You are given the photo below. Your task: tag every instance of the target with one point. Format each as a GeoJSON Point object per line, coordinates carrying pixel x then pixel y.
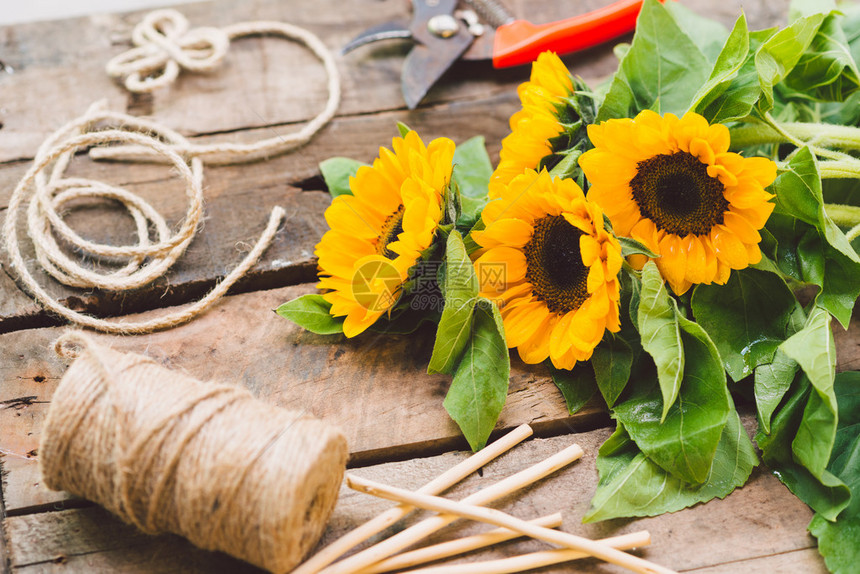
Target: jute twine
{"type": "Point", "coordinates": [213, 464]}
{"type": "Point", "coordinates": [147, 260]}
{"type": "Point", "coordinates": [164, 45]}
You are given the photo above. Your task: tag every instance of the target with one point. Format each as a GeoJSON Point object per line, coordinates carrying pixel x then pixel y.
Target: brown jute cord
{"type": "Point", "coordinates": [209, 462]}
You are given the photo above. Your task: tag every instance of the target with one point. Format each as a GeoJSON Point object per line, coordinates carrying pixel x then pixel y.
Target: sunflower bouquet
{"type": "Point", "coordinates": [672, 241]}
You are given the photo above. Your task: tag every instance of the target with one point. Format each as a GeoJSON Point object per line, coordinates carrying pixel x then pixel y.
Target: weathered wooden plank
{"type": "Point", "coordinates": [263, 81]}
{"type": "Point", "coordinates": [232, 223]}
{"type": "Point", "coordinates": [806, 561]}
{"type": "Point", "coordinates": [354, 136]}
{"type": "Point", "coordinates": [5, 560]}
{"type": "Point", "coordinates": [238, 199]}
{"type": "Point", "coordinates": [374, 386]}
{"type": "Point", "coordinates": [749, 527]}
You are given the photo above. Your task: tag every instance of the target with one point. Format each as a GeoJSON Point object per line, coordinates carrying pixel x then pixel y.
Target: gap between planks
{"type": "Point", "coordinates": [751, 526]}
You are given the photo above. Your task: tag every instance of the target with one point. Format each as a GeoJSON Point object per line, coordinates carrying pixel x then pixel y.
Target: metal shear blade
{"type": "Point", "coordinates": [442, 35]}
{"type": "Point", "coordinates": [440, 40]}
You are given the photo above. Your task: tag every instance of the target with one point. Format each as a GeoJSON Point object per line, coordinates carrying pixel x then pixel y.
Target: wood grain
{"type": "Point", "coordinates": [238, 199]}
{"type": "Point", "coordinates": [766, 522]}
{"type": "Point", "coordinates": [374, 386]}
{"type": "Point", "coordinates": [63, 61]}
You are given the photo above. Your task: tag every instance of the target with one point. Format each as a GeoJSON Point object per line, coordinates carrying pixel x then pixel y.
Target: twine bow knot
{"type": "Point", "coordinates": [164, 44]}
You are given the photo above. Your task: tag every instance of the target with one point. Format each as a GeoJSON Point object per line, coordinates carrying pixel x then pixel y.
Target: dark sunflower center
{"type": "Point", "coordinates": [677, 194]}
{"type": "Point", "coordinates": [554, 264]}
{"type": "Point", "coordinates": [392, 227]}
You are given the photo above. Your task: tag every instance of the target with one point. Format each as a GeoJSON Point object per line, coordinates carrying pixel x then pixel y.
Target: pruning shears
{"type": "Point", "coordinates": [485, 30]}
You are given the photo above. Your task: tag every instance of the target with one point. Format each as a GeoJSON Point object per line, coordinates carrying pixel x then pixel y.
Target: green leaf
{"type": "Point", "coordinates": [403, 129]}
{"type": "Point", "coordinates": [685, 442]}
{"type": "Point", "coordinates": [781, 52]}
{"type": "Point", "coordinates": [772, 381]}
{"type": "Point", "coordinates": [577, 385]}
{"type": "Point", "coordinates": [472, 171]}
{"type": "Point", "coordinates": [612, 361]}
{"type": "Point", "coordinates": [480, 386]}
{"type": "Point", "coordinates": [851, 27]}
{"type": "Point", "coordinates": [826, 493]}
{"type": "Point", "coordinates": [632, 485]}
{"type": "Point", "coordinates": [814, 350]}
{"type": "Point", "coordinates": [630, 246]}
{"type": "Point", "coordinates": [472, 167]}
{"type": "Point", "coordinates": [460, 289]}
{"type": "Point", "coordinates": [662, 70]}
{"type": "Point", "coordinates": [798, 188]}
{"type": "Point", "coordinates": [708, 34]}
{"type": "Point", "coordinates": [729, 62]}
{"type": "Point", "coordinates": [821, 255]}
{"type": "Point", "coordinates": [336, 172]}
{"type": "Point", "coordinates": [835, 538]}
{"type": "Point", "coordinates": [827, 70]}
{"type": "Point", "coordinates": [746, 318]}
{"type": "Point", "coordinates": [840, 285]}
{"type": "Point", "coordinates": [661, 334]}
{"type": "Point", "coordinates": [311, 312]}
{"type": "Point", "coordinates": [802, 8]}
{"type": "Point", "coordinates": [734, 94]}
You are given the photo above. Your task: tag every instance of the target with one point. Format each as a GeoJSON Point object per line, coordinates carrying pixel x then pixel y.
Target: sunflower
{"type": "Point", "coordinates": [378, 233]}
{"type": "Point", "coordinates": [673, 185]}
{"type": "Point", "coordinates": [548, 262]}
{"type": "Point", "coordinates": [549, 123]}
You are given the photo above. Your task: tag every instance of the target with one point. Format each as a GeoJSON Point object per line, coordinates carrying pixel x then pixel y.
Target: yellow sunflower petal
{"type": "Point", "coordinates": [673, 260]}
{"type": "Point", "coordinates": [507, 261]}
{"type": "Point", "coordinates": [511, 232]}
{"type": "Point", "coordinates": [560, 244]}
{"type": "Point", "coordinates": [537, 122]}
{"type": "Point", "coordinates": [697, 260]}
{"type": "Point", "coordinates": [377, 233]}
{"type": "Point", "coordinates": [658, 150]}
{"type": "Point", "coordinates": [358, 321]}
{"type": "Point", "coordinates": [729, 248]}
{"type": "Point", "coordinates": [741, 227]}
{"type": "Point", "coordinates": [535, 349]}
{"type": "Point", "coordinates": [521, 322]}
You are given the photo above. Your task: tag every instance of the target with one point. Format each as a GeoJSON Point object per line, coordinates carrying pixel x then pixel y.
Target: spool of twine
{"type": "Point", "coordinates": [207, 461]}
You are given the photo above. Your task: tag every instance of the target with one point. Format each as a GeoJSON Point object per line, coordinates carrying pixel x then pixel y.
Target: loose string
{"type": "Point", "coordinates": [164, 45]}
{"type": "Point", "coordinates": [146, 260]}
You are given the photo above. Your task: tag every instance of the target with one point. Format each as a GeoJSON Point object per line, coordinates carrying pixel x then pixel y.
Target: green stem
{"type": "Point", "coordinates": [845, 169]}
{"type": "Point", "coordinates": [823, 152]}
{"type": "Point", "coordinates": [853, 233]}
{"type": "Point", "coordinates": [843, 215]}
{"type": "Point", "coordinates": [755, 134]}
{"type": "Point", "coordinates": [799, 134]}
{"type": "Point", "coordinates": [845, 137]}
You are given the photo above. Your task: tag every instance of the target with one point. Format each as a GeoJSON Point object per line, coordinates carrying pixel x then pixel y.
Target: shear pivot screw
{"type": "Point", "coordinates": [443, 25]}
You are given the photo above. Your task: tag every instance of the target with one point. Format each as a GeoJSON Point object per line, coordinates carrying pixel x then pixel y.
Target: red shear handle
{"type": "Point", "coordinates": [520, 42]}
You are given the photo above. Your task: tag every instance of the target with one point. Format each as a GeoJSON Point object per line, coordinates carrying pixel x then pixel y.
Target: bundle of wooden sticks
{"type": "Point", "coordinates": [383, 557]}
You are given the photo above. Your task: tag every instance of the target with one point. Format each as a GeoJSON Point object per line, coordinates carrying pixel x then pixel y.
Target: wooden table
{"type": "Point", "coordinates": [375, 387]}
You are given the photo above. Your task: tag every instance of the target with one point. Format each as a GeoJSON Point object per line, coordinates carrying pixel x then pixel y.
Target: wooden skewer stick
{"type": "Point", "coordinates": [442, 482]}
{"type": "Point", "coordinates": [499, 518]}
{"type": "Point", "coordinates": [535, 560]}
{"type": "Point", "coordinates": [425, 528]}
{"type": "Point", "coordinates": [455, 547]}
